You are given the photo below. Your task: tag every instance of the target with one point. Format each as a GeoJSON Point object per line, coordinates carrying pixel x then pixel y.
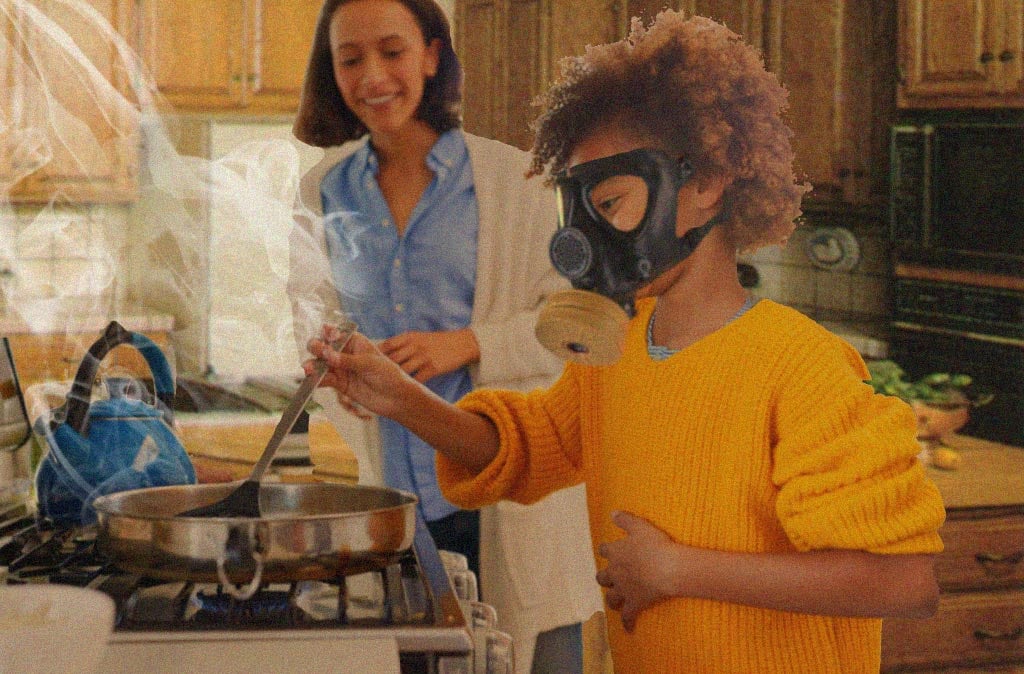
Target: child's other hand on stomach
{"type": "Point", "coordinates": [641, 567]}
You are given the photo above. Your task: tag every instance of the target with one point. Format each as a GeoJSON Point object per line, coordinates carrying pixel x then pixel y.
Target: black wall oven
{"type": "Point", "coordinates": [956, 215]}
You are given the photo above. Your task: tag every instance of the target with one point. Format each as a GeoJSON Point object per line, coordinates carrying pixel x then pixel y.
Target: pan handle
{"type": "Point", "coordinates": [246, 591]}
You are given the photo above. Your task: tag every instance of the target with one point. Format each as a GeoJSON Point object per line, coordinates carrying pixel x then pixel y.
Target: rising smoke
{"type": "Point", "coordinates": [62, 111]}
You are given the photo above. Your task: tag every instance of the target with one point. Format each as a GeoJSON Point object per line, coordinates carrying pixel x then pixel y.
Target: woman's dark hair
{"type": "Point", "coordinates": [325, 120]}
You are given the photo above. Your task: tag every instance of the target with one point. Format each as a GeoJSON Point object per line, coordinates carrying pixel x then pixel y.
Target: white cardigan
{"type": "Point", "coordinates": [541, 553]}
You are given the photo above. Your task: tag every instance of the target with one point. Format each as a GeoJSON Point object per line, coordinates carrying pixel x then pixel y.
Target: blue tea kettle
{"type": "Point", "coordinates": [121, 443]}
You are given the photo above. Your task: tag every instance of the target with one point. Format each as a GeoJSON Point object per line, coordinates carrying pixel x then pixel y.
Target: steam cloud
{"type": "Point", "coordinates": [60, 110]}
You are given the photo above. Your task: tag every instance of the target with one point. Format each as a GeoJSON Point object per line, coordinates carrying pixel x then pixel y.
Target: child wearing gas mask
{"type": "Point", "coordinates": [754, 506]}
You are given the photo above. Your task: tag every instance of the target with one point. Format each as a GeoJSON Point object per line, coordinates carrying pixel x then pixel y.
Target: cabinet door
{"type": "Point", "coordinates": [510, 51]}
{"type": "Point", "coordinates": [1011, 55]}
{"type": "Point", "coordinates": [278, 52]}
{"type": "Point", "coordinates": [480, 44]}
{"type": "Point", "coordinates": [949, 51]}
{"type": "Point", "coordinates": [821, 52]}
{"type": "Point", "coordinates": [72, 121]}
{"type": "Point", "coordinates": [195, 50]}
{"type": "Point", "coordinates": [576, 23]}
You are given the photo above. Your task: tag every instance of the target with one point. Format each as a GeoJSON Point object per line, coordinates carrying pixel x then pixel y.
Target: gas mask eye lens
{"type": "Point", "coordinates": [620, 200]}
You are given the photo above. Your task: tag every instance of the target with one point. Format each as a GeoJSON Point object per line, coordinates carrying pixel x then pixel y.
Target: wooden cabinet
{"type": "Point", "coordinates": [56, 357]}
{"type": "Point", "coordinates": [509, 50]}
{"type": "Point", "coordinates": [961, 53]}
{"type": "Point", "coordinates": [68, 117]}
{"type": "Point", "coordinates": [821, 52]}
{"type": "Point", "coordinates": [836, 60]}
{"type": "Point", "coordinates": [231, 55]}
{"type": "Point", "coordinates": [980, 621]}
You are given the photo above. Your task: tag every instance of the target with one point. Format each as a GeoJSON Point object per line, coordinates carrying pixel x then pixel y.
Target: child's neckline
{"type": "Point", "coordinates": [659, 353]}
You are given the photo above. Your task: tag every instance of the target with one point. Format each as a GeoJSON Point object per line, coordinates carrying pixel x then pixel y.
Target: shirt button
{"type": "Point", "coordinates": [399, 307]}
{"type": "Point", "coordinates": [386, 222]}
{"type": "Point", "coordinates": [398, 263]}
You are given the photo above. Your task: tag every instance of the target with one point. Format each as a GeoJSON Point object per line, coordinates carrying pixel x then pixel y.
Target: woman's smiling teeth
{"type": "Point", "coordinates": [378, 100]}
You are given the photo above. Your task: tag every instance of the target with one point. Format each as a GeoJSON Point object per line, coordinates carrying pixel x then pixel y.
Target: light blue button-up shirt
{"type": "Point", "coordinates": [422, 280]}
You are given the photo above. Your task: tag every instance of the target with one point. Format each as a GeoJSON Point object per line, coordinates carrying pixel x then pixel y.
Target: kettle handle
{"type": "Point", "coordinates": [115, 335]}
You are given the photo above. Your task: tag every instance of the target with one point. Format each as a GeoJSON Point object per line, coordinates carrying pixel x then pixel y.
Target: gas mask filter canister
{"type": "Point", "coordinates": [616, 234]}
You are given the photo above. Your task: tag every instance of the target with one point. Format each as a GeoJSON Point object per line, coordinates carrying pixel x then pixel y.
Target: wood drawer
{"type": "Point", "coordinates": [981, 553]}
{"type": "Point", "coordinates": [969, 629]}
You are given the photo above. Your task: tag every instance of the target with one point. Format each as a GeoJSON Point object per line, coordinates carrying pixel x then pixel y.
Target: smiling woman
{"type": "Point", "coordinates": [436, 245]}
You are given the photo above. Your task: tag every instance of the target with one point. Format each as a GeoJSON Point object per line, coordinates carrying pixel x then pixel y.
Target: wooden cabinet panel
{"type": "Point", "coordinates": [71, 121]}
{"type": "Point", "coordinates": [576, 23]}
{"type": "Point", "coordinates": [531, 73]}
{"type": "Point", "coordinates": [832, 60]}
{"type": "Point", "coordinates": [961, 53]}
{"type": "Point", "coordinates": [194, 50]}
{"type": "Point", "coordinates": [240, 55]}
{"type": "Point", "coordinates": [982, 553]}
{"type": "Point", "coordinates": [510, 50]}
{"type": "Point", "coordinates": [56, 357]}
{"type": "Point", "coordinates": [280, 52]}
{"type": "Point", "coordinates": [1012, 54]}
{"type": "Point", "coordinates": [936, 65]}
{"type": "Point", "coordinates": [802, 41]}
{"type": "Point", "coordinates": [481, 57]}
{"type": "Point", "coordinates": [968, 629]}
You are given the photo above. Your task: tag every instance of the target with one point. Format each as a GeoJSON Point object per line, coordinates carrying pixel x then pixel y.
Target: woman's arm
{"type": "Point", "coordinates": [646, 567]}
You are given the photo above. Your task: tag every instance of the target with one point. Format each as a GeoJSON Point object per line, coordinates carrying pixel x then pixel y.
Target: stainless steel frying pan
{"type": "Point", "coordinates": [308, 531]}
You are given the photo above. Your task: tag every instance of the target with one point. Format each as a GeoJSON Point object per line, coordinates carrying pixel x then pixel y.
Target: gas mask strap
{"type": "Point", "coordinates": [688, 242]}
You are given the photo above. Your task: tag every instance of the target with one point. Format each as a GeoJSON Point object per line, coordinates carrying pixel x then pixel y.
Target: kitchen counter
{"type": "Point", "coordinates": [991, 475]}
{"type": "Point", "coordinates": [980, 571]}
{"type": "Point", "coordinates": [233, 443]}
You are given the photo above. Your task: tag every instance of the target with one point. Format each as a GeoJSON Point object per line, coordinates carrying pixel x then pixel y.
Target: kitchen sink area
{"type": "Point", "coordinates": [255, 395]}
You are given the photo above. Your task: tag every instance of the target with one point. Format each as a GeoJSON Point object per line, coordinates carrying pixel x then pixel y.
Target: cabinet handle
{"type": "Point", "coordinates": [992, 635]}
{"type": "Point", "coordinates": [1006, 55]}
{"type": "Point", "coordinates": [986, 57]}
{"type": "Point", "coordinates": [996, 564]}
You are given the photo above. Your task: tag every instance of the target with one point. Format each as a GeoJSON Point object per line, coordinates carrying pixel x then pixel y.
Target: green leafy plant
{"type": "Point", "coordinates": [937, 388]}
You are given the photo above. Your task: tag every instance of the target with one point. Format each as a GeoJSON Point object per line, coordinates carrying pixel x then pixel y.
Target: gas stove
{"type": "Point", "coordinates": [417, 615]}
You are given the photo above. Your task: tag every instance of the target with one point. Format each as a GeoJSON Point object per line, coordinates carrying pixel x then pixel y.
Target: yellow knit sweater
{"type": "Point", "coordinates": [761, 437]}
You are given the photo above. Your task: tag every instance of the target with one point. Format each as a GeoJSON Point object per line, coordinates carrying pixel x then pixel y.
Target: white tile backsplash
{"type": "Point", "coordinates": [65, 251]}
{"type": "Point", "coordinates": [788, 277]}
{"type": "Point", "coordinates": [33, 279]}
{"type": "Point", "coordinates": [832, 290]}
{"type": "Point", "coordinates": [869, 294]}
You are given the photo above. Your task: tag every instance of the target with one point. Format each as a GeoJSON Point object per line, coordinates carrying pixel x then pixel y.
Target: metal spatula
{"type": "Point", "coordinates": [244, 501]}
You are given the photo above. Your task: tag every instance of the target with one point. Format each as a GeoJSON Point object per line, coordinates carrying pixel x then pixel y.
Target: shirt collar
{"type": "Point", "coordinates": [447, 154]}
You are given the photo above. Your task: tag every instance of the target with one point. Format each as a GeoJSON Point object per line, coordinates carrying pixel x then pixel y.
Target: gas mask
{"type": "Point", "coordinates": [616, 234]}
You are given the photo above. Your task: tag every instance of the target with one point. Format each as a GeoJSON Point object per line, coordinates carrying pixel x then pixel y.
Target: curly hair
{"type": "Point", "coordinates": [324, 119]}
{"type": "Point", "coordinates": [694, 88]}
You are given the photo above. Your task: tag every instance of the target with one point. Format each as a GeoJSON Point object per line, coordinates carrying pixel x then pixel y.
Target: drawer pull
{"type": "Point", "coordinates": [998, 564]}
{"type": "Point", "coordinates": [992, 635]}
